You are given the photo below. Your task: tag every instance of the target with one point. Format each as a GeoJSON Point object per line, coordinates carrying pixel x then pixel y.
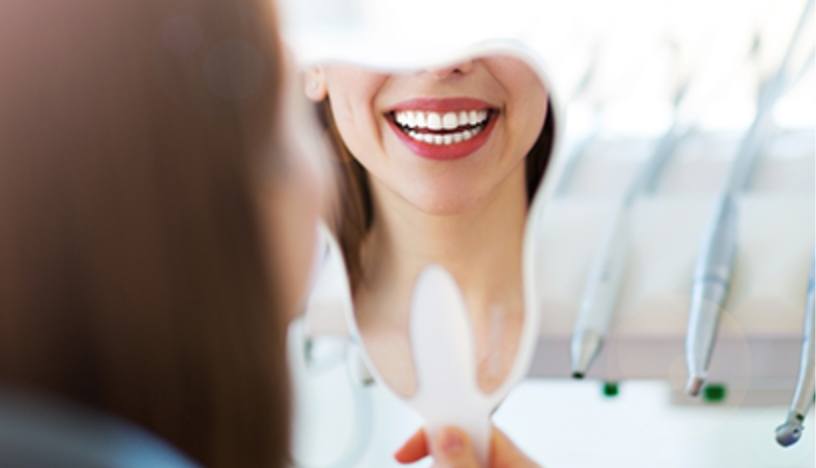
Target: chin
{"type": "Point", "coordinates": [441, 202]}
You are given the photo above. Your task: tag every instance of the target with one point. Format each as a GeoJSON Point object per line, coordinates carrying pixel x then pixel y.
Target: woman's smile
{"type": "Point", "coordinates": [443, 128]}
{"type": "Point", "coordinates": [442, 139]}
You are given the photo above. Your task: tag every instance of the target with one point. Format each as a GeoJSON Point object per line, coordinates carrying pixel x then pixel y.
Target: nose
{"type": "Point", "coordinates": [460, 68]}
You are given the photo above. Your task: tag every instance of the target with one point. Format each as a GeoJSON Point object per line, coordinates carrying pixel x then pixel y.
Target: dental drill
{"type": "Point", "coordinates": [715, 264]}
{"type": "Point", "coordinates": [791, 430]}
{"type": "Point", "coordinates": [603, 285]}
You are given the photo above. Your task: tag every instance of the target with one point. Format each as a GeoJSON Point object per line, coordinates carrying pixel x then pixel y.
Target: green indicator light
{"type": "Point", "coordinates": [714, 393]}
{"type": "Point", "coordinates": [611, 389]}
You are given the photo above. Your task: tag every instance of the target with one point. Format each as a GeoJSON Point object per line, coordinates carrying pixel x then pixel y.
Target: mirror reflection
{"type": "Point", "coordinates": [438, 166]}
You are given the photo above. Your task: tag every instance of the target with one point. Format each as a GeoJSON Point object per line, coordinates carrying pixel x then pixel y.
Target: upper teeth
{"type": "Point", "coordinates": [437, 121]}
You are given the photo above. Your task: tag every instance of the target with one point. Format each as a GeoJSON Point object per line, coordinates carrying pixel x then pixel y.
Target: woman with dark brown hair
{"type": "Point", "coordinates": [144, 183]}
{"type": "Point", "coordinates": [156, 221]}
{"type": "Point", "coordinates": [439, 166]}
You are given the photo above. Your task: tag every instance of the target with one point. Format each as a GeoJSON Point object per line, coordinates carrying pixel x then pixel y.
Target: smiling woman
{"type": "Point", "coordinates": [439, 167]}
{"type": "Point", "coordinates": [412, 117]}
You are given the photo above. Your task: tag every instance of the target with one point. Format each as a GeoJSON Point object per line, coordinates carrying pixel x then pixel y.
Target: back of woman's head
{"type": "Point", "coordinates": [132, 272]}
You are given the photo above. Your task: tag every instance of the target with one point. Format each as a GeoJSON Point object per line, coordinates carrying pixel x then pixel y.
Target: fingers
{"type": "Point", "coordinates": [505, 454]}
{"type": "Point", "coordinates": [414, 449]}
{"type": "Point", "coordinates": [451, 448]}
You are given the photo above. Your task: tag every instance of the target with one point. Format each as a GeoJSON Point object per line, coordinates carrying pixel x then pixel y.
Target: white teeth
{"type": "Point", "coordinates": [420, 119]}
{"type": "Point", "coordinates": [410, 120]}
{"type": "Point", "coordinates": [406, 119]}
{"type": "Point", "coordinates": [434, 121]}
{"type": "Point", "coordinates": [448, 139]}
{"type": "Point", "coordinates": [437, 121]}
{"type": "Point", "coordinates": [473, 117]}
{"type": "Point", "coordinates": [449, 121]}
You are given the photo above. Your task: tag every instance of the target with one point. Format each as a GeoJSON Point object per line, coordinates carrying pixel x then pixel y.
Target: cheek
{"type": "Point", "coordinates": [352, 95]}
{"type": "Point", "coordinates": [352, 119]}
{"type": "Point", "coordinates": [359, 132]}
{"type": "Point", "coordinates": [526, 99]}
{"type": "Point", "coordinates": [528, 113]}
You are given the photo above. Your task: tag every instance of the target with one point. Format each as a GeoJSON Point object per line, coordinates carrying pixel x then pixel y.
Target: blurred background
{"type": "Point", "coordinates": [621, 73]}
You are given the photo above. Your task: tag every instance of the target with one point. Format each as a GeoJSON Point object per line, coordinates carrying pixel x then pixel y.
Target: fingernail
{"type": "Point", "coordinates": [452, 442]}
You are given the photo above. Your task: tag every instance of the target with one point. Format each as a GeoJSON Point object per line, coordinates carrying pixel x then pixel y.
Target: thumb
{"type": "Point", "coordinates": [451, 448]}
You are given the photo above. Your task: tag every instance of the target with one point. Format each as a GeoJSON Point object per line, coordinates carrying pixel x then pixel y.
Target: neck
{"type": "Point", "coordinates": [481, 246]}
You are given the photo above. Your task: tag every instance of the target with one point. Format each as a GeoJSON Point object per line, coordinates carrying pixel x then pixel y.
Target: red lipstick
{"type": "Point", "coordinates": [444, 128]}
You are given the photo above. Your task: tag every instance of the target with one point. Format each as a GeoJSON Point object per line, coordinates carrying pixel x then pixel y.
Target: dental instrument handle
{"type": "Point", "coordinates": [774, 84]}
{"type": "Point", "coordinates": [715, 264]}
{"type": "Point", "coordinates": [770, 89]}
{"type": "Point", "coordinates": [803, 398]}
{"type": "Point", "coordinates": [712, 279]}
{"type": "Point", "coordinates": [600, 296]}
{"type": "Point", "coordinates": [646, 180]}
{"type": "Point", "coordinates": [742, 170]}
{"type": "Point", "coordinates": [791, 430]}
{"type": "Point", "coordinates": [807, 64]}
{"type": "Point", "coordinates": [778, 81]}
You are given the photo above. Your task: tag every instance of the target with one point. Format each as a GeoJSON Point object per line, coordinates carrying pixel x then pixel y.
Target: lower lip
{"type": "Point", "coordinates": [459, 150]}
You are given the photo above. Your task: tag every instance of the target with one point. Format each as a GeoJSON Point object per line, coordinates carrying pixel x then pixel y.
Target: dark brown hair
{"type": "Point", "coordinates": [355, 213]}
{"type": "Point", "coordinates": [133, 265]}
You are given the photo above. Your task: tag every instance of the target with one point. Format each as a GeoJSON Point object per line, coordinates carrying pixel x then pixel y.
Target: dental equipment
{"type": "Point", "coordinates": [579, 149]}
{"type": "Point", "coordinates": [790, 431]}
{"type": "Point", "coordinates": [603, 284]}
{"type": "Point", "coordinates": [715, 264]}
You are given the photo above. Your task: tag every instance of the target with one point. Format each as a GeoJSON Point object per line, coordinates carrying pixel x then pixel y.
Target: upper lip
{"type": "Point", "coordinates": [441, 104]}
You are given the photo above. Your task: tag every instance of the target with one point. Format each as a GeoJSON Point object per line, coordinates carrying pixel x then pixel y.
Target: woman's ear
{"type": "Point", "coordinates": [314, 83]}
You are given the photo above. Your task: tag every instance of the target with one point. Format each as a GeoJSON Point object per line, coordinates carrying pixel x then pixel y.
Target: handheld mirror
{"type": "Point", "coordinates": [438, 168]}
